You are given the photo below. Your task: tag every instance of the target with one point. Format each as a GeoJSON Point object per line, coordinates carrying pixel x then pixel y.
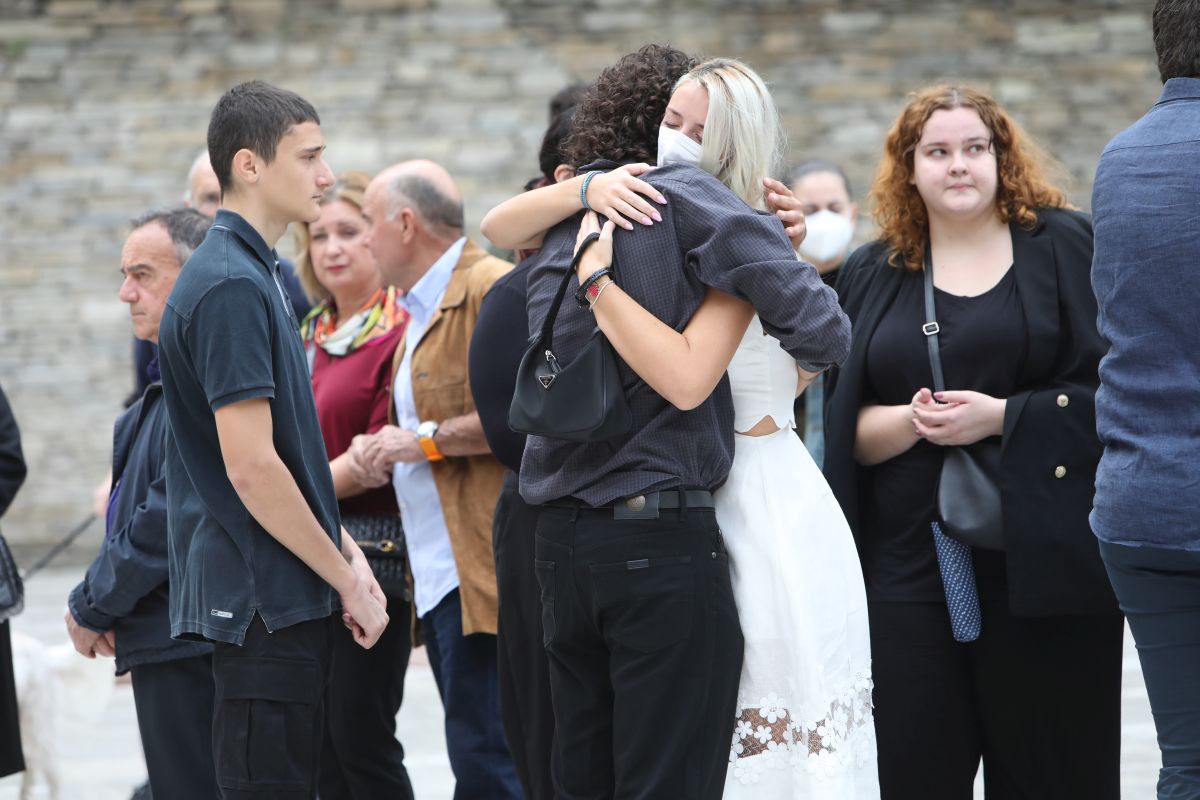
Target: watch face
{"type": "Point", "coordinates": [426, 429]}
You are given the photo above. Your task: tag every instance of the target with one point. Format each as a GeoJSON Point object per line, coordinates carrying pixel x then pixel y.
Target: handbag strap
{"type": "Point", "coordinates": [931, 329]}
{"type": "Point", "coordinates": [552, 314]}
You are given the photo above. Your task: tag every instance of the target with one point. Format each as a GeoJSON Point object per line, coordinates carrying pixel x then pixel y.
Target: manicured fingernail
{"type": "Point", "coordinates": [937, 395]}
{"type": "Point", "coordinates": [627, 226]}
{"type": "Point", "coordinates": [657, 216]}
{"type": "Point", "coordinates": [646, 221]}
{"type": "Point", "coordinates": [662, 199]}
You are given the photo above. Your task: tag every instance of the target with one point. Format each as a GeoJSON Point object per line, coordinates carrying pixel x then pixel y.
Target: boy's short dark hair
{"type": "Point", "coordinates": [1177, 38]}
{"type": "Point", "coordinates": [253, 115]}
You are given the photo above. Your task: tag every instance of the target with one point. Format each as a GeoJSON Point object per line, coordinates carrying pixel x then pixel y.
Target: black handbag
{"type": "Point", "coordinates": [381, 538]}
{"type": "Point", "coordinates": [12, 590]}
{"type": "Point", "coordinates": [580, 402]}
{"type": "Point", "coordinates": [968, 490]}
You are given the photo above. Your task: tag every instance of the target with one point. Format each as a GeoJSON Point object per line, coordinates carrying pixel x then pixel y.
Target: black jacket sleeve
{"type": "Point", "coordinates": [1051, 449]}
{"type": "Point", "coordinates": [12, 461]}
{"type": "Point", "coordinates": [132, 561]}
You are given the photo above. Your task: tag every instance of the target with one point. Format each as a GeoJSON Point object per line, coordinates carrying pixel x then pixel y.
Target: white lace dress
{"type": "Point", "coordinates": [804, 727]}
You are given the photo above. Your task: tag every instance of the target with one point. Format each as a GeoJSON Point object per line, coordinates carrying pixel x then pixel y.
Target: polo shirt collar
{"type": "Point", "coordinates": [423, 297]}
{"type": "Point", "coordinates": [1180, 89]}
{"type": "Point", "coordinates": [247, 233]}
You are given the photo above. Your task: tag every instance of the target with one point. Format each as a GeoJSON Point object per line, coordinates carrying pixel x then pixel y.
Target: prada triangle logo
{"type": "Point", "coordinates": [546, 380]}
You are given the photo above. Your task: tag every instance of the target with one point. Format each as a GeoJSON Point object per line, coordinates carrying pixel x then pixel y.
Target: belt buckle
{"type": "Point", "coordinates": [640, 506]}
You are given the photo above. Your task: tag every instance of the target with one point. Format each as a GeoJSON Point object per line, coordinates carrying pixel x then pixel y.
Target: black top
{"type": "Point", "coordinates": [1053, 564]}
{"type": "Point", "coordinates": [12, 462]}
{"type": "Point", "coordinates": [708, 237]}
{"type": "Point", "coordinates": [125, 588]}
{"type": "Point", "coordinates": [983, 346]}
{"type": "Point", "coordinates": [228, 334]}
{"type": "Point", "coordinates": [497, 345]}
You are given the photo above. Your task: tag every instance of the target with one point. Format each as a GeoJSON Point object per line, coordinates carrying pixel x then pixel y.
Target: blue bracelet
{"type": "Point", "coordinates": [583, 189]}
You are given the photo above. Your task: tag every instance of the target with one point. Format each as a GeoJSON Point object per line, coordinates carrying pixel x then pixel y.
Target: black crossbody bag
{"type": "Point", "coordinates": [381, 539]}
{"type": "Point", "coordinates": [968, 490]}
{"type": "Point", "coordinates": [580, 402]}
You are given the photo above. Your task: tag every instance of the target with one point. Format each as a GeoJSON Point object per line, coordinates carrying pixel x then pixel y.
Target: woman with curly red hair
{"type": "Point", "coordinates": [1010, 654]}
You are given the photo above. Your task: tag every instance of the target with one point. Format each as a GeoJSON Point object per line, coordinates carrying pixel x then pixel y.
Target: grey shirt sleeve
{"type": "Point", "coordinates": [733, 248]}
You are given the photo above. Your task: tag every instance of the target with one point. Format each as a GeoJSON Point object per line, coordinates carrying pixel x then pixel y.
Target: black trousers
{"type": "Point", "coordinates": [1159, 590]}
{"type": "Point", "coordinates": [1039, 699]}
{"type": "Point", "coordinates": [269, 712]}
{"type": "Point", "coordinates": [11, 758]}
{"type": "Point", "coordinates": [361, 758]}
{"type": "Point", "coordinates": [524, 670]}
{"type": "Point", "coordinates": [645, 653]}
{"type": "Point", "coordinates": [174, 703]}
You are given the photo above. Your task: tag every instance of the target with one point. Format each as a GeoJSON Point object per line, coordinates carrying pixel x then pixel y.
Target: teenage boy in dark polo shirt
{"type": "Point", "coordinates": [253, 525]}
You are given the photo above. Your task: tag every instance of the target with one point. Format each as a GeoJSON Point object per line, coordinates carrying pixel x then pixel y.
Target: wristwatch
{"type": "Point", "coordinates": [425, 433]}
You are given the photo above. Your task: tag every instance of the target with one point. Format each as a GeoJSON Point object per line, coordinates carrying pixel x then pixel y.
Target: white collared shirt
{"type": "Point", "coordinates": [429, 552]}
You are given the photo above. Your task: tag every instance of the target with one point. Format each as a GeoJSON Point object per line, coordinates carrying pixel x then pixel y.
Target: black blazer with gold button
{"type": "Point", "coordinates": [1050, 448]}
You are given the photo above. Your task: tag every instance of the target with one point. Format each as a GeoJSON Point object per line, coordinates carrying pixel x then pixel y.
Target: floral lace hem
{"type": "Point", "coordinates": [767, 735]}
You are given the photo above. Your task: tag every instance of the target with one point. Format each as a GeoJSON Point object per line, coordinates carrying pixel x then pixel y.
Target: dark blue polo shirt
{"type": "Point", "coordinates": [229, 334]}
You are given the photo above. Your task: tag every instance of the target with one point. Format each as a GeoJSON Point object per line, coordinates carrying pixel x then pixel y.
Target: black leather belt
{"type": "Point", "coordinates": [643, 506]}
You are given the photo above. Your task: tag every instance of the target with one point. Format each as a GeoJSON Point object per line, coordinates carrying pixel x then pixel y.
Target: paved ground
{"type": "Point", "coordinates": [102, 760]}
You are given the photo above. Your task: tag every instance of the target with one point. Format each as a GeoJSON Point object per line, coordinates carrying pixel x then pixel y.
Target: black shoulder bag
{"type": "Point", "coordinates": [580, 402]}
{"type": "Point", "coordinates": [968, 491]}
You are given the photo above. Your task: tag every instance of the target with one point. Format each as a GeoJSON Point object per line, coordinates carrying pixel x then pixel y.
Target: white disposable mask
{"type": "Point", "coordinates": [828, 235]}
{"type": "Point", "coordinates": [675, 148]}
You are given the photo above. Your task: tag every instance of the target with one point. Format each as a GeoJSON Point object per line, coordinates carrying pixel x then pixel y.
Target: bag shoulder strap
{"type": "Point", "coordinates": [552, 314]}
{"type": "Point", "coordinates": [931, 329]}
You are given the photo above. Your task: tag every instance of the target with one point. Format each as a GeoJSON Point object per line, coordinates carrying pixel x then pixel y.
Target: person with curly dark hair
{"type": "Point", "coordinates": [972, 640]}
{"type": "Point", "coordinates": [638, 612]}
{"type": "Point", "coordinates": [618, 117]}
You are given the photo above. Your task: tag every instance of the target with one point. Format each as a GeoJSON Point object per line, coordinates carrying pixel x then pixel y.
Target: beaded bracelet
{"type": "Point", "coordinates": [587, 179]}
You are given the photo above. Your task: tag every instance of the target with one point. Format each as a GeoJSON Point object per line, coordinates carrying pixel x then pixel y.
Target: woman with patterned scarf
{"type": "Point", "coordinates": [350, 337]}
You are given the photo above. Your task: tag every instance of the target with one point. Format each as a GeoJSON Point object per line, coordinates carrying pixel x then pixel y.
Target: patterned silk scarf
{"type": "Point", "coordinates": [380, 314]}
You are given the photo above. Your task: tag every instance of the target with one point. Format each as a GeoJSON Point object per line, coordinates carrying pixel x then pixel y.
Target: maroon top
{"type": "Point", "coordinates": [352, 393]}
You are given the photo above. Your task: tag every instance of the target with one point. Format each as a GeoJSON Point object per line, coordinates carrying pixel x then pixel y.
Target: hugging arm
{"type": "Point", "coordinates": [521, 222]}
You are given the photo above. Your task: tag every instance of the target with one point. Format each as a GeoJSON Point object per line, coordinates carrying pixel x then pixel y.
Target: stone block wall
{"type": "Point", "coordinates": [104, 103]}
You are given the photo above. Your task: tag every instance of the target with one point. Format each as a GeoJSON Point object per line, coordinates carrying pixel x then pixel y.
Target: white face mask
{"type": "Point", "coordinates": [828, 235]}
{"type": "Point", "coordinates": [675, 148]}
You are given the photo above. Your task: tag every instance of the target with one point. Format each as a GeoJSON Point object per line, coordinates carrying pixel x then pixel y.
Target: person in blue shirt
{"type": "Point", "coordinates": [1146, 275]}
{"type": "Point", "coordinates": [259, 562]}
{"type": "Point", "coordinates": [124, 593]}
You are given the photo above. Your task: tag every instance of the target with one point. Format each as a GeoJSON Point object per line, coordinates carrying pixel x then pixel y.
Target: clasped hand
{"type": "Point", "coordinates": [89, 643]}
{"type": "Point", "coordinates": [956, 417]}
{"type": "Point", "coordinates": [371, 455]}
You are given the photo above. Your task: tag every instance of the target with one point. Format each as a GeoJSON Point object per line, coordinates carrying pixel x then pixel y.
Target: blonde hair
{"type": "Point", "coordinates": [350, 188]}
{"type": "Point", "coordinates": [743, 140]}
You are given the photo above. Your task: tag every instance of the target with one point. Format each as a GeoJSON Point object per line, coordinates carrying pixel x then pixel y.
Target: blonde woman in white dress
{"type": "Point", "coordinates": [804, 727]}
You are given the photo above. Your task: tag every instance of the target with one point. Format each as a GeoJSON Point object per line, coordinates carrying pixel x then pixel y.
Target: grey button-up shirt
{"type": "Point", "coordinates": [708, 237]}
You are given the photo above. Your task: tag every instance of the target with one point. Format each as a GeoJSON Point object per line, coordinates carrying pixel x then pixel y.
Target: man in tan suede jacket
{"type": "Point", "coordinates": [436, 456]}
